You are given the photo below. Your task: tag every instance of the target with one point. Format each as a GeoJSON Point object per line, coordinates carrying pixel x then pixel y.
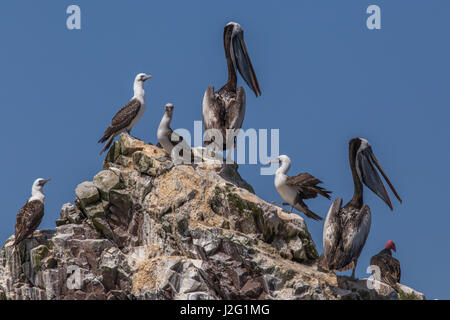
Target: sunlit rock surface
{"type": "Point", "coordinates": [146, 229]}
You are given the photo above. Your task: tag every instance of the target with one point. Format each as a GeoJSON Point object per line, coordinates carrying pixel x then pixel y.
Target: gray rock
{"type": "Point", "coordinates": [145, 229]}
{"type": "Point", "coordinates": [87, 193]}
{"type": "Point", "coordinates": [105, 181]}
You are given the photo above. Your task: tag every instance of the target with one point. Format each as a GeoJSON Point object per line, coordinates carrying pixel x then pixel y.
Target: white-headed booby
{"type": "Point", "coordinates": [30, 215]}
{"type": "Point", "coordinates": [225, 109]}
{"type": "Point", "coordinates": [294, 189]}
{"type": "Point", "coordinates": [127, 117]}
{"type": "Point", "coordinates": [170, 140]}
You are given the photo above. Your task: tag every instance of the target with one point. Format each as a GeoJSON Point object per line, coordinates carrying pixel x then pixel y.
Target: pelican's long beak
{"type": "Point", "coordinates": [367, 165]}
{"type": "Point", "coordinates": [243, 62]}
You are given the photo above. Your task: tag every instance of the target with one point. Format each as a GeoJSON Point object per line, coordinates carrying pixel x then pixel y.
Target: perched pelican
{"type": "Point", "coordinates": [389, 266]}
{"type": "Point", "coordinates": [30, 215]}
{"type": "Point", "coordinates": [225, 109]}
{"type": "Point", "coordinates": [127, 117]}
{"type": "Point", "coordinates": [346, 228]}
{"type": "Point", "coordinates": [295, 189]}
{"type": "Point", "coordinates": [169, 139]}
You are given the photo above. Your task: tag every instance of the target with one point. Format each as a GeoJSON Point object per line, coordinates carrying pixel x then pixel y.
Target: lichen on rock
{"type": "Point", "coordinates": [144, 228]}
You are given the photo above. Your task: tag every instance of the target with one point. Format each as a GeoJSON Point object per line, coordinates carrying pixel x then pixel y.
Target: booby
{"type": "Point", "coordinates": [297, 188]}
{"type": "Point", "coordinates": [169, 139]}
{"type": "Point", "coordinates": [127, 117]}
{"type": "Point", "coordinates": [225, 108]}
{"type": "Point", "coordinates": [346, 228]}
{"type": "Point", "coordinates": [389, 267]}
{"type": "Point", "coordinates": [30, 215]}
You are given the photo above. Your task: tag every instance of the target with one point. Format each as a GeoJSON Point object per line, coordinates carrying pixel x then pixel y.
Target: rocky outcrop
{"type": "Point", "coordinates": [146, 229]}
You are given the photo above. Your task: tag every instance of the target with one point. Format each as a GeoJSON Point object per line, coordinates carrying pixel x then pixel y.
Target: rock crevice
{"type": "Point", "coordinates": [146, 229]}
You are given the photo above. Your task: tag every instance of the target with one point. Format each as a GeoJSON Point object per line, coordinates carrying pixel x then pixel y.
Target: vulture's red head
{"type": "Point", "coordinates": [391, 245]}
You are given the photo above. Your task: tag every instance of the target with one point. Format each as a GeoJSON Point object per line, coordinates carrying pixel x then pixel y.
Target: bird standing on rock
{"type": "Point", "coordinates": [389, 267]}
{"type": "Point", "coordinates": [295, 189]}
{"type": "Point", "coordinates": [346, 228]}
{"type": "Point", "coordinates": [172, 142]}
{"type": "Point", "coordinates": [30, 215]}
{"type": "Point", "coordinates": [224, 110]}
{"type": "Point", "coordinates": [127, 117]}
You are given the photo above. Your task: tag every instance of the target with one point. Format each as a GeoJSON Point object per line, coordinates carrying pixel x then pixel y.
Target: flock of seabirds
{"type": "Point", "coordinates": [346, 227]}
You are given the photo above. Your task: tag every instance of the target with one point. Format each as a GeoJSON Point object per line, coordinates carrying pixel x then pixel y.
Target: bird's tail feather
{"type": "Point", "coordinates": [301, 206]}
{"type": "Point", "coordinates": [349, 266]}
{"type": "Point", "coordinates": [323, 192]}
{"type": "Point", "coordinates": [312, 215]}
{"type": "Point", "coordinates": [322, 263]}
{"type": "Point", "coordinates": [106, 135]}
{"type": "Point", "coordinates": [108, 144]}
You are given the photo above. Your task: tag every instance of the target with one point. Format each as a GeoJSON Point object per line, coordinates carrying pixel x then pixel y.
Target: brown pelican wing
{"type": "Point", "coordinates": [332, 230]}
{"type": "Point", "coordinates": [235, 111]}
{"type": "Point", "coordinates": [306, 185]}
{"type": "Point", "coordinates": [28, 219]}
{"type": "Point", "coordinates": [390, 271]}
{"type": "Point", "coordinates": [354, 235]}
{"type": "Point", "coordinates": [122, 119]}
{"type": "Point", "coordinates": [213, 115]}
{"type": "Point", "coordinates": [211, 110]}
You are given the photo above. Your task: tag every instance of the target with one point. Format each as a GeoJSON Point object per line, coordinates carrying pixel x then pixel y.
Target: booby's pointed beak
{"type": "Point", "coordinates": [147, 77]}
{"type": "Point", "coordinates": [367, 165]}
{"type": "Point", "coordinates": [243, 62]}
{"type": "Point", "coordinates": [276, 160]}
{"type": "Point", "coordinates": [46, 180]}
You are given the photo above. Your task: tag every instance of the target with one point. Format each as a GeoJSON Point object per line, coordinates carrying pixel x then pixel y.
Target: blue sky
{"type": "Point", "coordinates": [325, 78]}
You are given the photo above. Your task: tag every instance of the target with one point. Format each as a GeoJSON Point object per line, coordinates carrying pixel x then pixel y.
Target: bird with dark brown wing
{"type": "Point", "coordinates": [389, 267]}
{"type": "Point", "coordinates": [346, 227]}
{"type": "Point", "coordinates": [224, 110]}
{"type": "Point", "coordinates": [127, 117]}
{"type": "Point", "coordinates": [30, 215]}
{"type": "Point", "coordinates": [295, 189]}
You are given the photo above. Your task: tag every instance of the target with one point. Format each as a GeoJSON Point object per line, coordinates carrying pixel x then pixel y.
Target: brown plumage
{"type": "Point", "coordinates": [28, 219]}
{"type": "Point", "coordinates": [295, 189]}
{"type": "Point", "coordinates": [307, 186]}
{"type": "Point", "coordinates": [226, 112]}
{"type": "Point", "coordinates": [346, 227]}
{"type": "Point", "coordinates": [345, 233]}
{"type": "Point", "coordinates": [390, 271]}
{"type": "Point", "coordinates": [120, 122]}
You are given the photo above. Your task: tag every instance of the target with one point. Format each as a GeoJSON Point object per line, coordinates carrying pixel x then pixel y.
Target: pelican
{"type": "Point", "coordinates": [127, 117]}
{"type": "Point", "coordinates": [346, 228]}
{"type": "Point", "coordinates": [295, 189]}
{"type": "Point", "coordinates": [225, 109]}
{"type": "Point", "coordinates": [30, 215]}
{"type": "Point", "coordinates": [389, 267]}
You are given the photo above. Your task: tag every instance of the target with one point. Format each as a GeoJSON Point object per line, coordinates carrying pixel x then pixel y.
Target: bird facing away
{"type": "Point", "coordinates": [172, 142]}
{"type": "Point", "coordinates": [297, 188]}
{"type": "Point", "coordinates": [389, 266]}
{"type": "Point", "coordinates": [30, 215]}
{"type": "Point", "coordinates": [346, 228]}
{"type": "Point", "coordinates": [225, 108]}
{"type": "Point", "coordinates": [127, 117]}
